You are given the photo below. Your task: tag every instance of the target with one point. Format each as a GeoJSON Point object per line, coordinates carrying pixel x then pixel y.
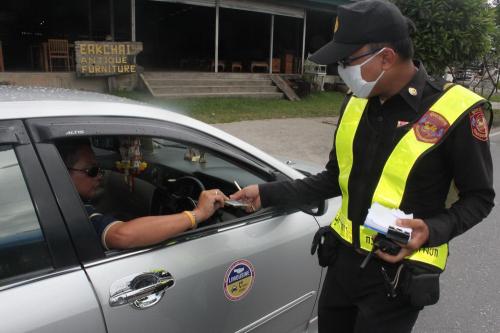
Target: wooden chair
{"type": "Point", "coordinates": [58, 49]}
{"type": "Point", "coordinates": [2, 68]}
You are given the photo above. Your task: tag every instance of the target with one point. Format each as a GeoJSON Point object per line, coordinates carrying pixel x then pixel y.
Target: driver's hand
{"type": "Point", "coordinates": [249, 194]}
{"type": "Point", "coordinates": [208, 202]}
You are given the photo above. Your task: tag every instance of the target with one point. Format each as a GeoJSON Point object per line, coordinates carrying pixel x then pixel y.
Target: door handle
{"type": "Point", "coordinates": [141, 291]}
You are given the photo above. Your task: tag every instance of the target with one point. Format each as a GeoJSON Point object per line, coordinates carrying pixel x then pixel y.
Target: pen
{"type": "Point", "coordinates": [237, 185]}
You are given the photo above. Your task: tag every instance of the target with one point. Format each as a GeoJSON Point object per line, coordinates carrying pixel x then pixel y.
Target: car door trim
{"type": "Point", "coordinates": [196, 233]}
{"type": "Point", "coordinates": [46, 129]}
{"type": "Point", "coordinates": [56, 237]}
{"type": "Point", "coordinates": [276, 313]}
{"type": "Point", "coordinates": [37, 276]}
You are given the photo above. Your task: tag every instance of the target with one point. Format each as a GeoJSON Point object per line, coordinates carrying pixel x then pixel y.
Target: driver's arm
{"type": "Point", "coordinates": [149, 230]}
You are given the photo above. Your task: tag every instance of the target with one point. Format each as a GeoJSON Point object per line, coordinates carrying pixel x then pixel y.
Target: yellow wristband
{"type": "Point", "coordinates": [191, 217]}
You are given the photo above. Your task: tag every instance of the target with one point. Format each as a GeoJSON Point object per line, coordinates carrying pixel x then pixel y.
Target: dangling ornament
{"type": "Point", "coordinates": [131, 164]}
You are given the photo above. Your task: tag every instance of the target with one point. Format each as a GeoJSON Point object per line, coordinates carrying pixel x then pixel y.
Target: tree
{"type": "Point", "coordinates": [450, 33]}
{"type": "Point", "coordinates": [487, 84]}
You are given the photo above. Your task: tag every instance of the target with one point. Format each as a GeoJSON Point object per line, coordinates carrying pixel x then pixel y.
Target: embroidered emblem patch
{"type": "Point", "coordinates": [431, 127]}
{"type": "Point", "coordinates": [478, 124]}
{"type": "Point", "coordinates": [238, 280]}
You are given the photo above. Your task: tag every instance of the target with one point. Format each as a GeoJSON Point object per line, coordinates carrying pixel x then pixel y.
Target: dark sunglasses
{"type": "Point", "coordinates": [91, 172]}
{"type": "Point", "coordinates": [348, 61]}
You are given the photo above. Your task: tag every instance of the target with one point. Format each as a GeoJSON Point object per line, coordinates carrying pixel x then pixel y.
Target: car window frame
{"type": "Point", "coordinates": [45, 131]}
{"type": "Point", "coordinates": [56, 237]}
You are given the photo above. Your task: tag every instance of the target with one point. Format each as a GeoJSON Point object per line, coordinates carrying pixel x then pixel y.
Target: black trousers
{"type": "Point", "coordinates": [355, 299]}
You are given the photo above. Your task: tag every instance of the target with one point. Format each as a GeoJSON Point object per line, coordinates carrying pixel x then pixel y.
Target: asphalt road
{"type": "Point", "coordinates": [470, 286]}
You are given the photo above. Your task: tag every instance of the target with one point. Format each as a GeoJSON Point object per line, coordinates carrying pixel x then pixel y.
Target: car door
{"type": "Point", "coordinates": [42, 286]}
{"type": "Point", "coordinates": [251, 274]}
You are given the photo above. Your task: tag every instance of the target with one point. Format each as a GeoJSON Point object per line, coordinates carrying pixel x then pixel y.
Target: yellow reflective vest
{"type": "Point", "coordinates": [424, 135]}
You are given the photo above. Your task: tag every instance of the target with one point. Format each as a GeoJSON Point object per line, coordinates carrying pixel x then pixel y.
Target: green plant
{"type": "Point", "coordinates": [450, 32]}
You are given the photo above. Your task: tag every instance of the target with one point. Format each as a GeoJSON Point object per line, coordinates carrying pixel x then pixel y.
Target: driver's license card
{"type": "Point", "coordinates": [236, 203]}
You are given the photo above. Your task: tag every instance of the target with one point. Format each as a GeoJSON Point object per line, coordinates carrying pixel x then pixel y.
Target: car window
{"type": "Point", "coordinates": [144, 176]}
{"type": "Point", "coordinates": [162, 176]}
{"type": "Point", "coordinates": [22, 245]}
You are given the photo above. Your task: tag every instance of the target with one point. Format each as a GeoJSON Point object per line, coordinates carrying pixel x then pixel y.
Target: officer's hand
{"type": "Point", "coordinates": [208, 202]}
{"type": "Point", "coordinates": [419, 236]}
{"type": "Point", "coordinates": [249, 194]}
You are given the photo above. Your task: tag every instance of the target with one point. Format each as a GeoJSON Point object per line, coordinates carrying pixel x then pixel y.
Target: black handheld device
{"type": "Point", "coordinates": [384, 244]}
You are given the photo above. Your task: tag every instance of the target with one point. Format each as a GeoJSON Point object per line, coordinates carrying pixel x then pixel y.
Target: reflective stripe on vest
{"type": "Point", "coordinates": [391, 186]}
{"type": "Point", "coordinates": [343, 144]}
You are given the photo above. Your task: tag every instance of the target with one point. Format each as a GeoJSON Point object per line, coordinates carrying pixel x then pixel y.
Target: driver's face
{"type": "Point", "coordinates": [85, 184]}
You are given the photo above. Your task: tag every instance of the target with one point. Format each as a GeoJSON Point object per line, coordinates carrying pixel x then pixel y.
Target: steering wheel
{"type": "Point", "coordinates": [178, 194]}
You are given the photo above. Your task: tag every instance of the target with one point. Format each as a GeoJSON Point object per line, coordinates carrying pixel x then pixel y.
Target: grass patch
{"type": "Point", "coordinates": [226, 110]}
{"type": "Point", "coordinates": [495, 98]}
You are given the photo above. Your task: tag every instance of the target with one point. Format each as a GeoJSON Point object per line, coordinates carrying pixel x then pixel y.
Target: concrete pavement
{"type": "Point", "coordinates": [306, 139]}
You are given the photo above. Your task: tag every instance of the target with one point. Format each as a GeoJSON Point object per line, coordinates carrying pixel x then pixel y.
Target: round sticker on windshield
{"type": "Point", "coordinates": [238, 280]}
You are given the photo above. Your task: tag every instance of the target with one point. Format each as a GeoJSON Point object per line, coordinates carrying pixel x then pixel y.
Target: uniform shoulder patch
{"type": "Point", "coordinates": [431, 127]}
{"type": "Point", "coordinates": [478, 124]}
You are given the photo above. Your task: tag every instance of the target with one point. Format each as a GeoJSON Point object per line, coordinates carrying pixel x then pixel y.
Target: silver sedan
{"type": "Point", "coordinates": [237, 272]}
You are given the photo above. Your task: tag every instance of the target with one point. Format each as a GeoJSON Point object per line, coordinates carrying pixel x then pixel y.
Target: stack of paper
{"type": "Point", "coordinates": [383, 220]}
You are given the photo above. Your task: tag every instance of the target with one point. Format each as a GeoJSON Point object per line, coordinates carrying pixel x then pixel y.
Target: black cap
{"type": "Point", "coordinates": [361, 23]}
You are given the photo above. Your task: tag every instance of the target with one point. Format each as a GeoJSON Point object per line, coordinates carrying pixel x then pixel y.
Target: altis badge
{"type": "Point", "coordinates": [238, 280]}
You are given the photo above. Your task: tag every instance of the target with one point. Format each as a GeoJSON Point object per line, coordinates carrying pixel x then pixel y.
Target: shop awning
{"type": "Point", "coordinates": [253, 6]}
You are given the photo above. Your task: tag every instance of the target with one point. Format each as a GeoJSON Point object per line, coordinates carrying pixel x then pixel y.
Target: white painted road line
{"type": "Point", "coordinates": [494, 134]}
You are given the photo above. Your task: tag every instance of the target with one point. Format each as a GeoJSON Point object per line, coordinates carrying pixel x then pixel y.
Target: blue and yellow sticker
{"type": "Point", "coordinates": [238, 280]}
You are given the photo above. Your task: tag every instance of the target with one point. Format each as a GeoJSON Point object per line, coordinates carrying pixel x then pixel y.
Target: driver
{"type": "Point", "coordinates": [81, 163]}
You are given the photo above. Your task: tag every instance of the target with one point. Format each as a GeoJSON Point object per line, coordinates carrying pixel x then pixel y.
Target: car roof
{"type": "Point", "coordinates": [38, 102]}
{"type": "Point", "coordinates": [18, 102]}
{"type": "Point", "coordinates": [20, 93]}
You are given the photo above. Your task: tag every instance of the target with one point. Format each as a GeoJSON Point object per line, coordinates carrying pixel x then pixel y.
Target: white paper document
{"type": "Point", "coordinates": [381, 219]}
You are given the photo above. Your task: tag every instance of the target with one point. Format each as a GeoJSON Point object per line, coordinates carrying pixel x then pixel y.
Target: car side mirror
{"type": "Point", "coordinates": [316, 209]}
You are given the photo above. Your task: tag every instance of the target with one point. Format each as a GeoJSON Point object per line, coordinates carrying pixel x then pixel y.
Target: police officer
{"type": "Point", "coordinates": [403, 140]}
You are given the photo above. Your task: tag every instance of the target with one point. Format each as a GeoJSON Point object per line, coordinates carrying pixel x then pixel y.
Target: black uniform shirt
{"type": "Point", "coordinates": [460, 156]}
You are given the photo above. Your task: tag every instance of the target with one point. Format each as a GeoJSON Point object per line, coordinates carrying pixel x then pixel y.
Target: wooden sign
{"type": "Point", "coordinates": [106, 58]}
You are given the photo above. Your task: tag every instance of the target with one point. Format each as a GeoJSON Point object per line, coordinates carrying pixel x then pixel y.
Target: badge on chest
{"type": "Point", "coordinates": [431, 127]}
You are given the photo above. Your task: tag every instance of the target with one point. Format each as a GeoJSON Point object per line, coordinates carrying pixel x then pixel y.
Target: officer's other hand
{"type": "Point", "coordinates": [249, 194]}
{"type": "Point", "coordinates": [208, 202]}
{"type": "Point", "coordinates": [419, 236]}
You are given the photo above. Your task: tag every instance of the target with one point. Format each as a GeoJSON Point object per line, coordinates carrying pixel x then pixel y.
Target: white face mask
{"type": "Point", "coordinates": [353, 79]}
